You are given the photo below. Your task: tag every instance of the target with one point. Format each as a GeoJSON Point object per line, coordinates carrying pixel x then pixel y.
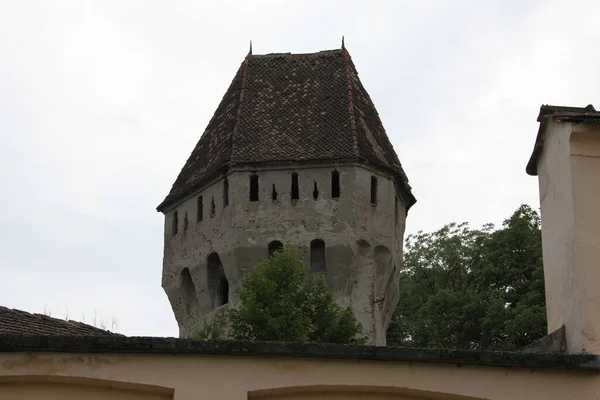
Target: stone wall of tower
{"type": "Point", "coordinates": [363, 241]}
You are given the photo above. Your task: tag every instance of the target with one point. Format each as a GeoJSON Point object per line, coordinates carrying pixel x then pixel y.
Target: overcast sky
{"type": "Point", "coordinates": [102, 102]}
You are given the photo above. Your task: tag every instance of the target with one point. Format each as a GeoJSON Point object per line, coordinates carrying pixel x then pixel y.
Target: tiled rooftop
{"type": "Point", "coordinates": [290, 107]}
{"type": "Point", "coordinates": [21, 322]}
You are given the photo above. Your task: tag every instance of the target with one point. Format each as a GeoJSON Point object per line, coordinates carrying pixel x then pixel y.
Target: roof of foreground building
{"type": "Point", "coordinates": [23, 323]}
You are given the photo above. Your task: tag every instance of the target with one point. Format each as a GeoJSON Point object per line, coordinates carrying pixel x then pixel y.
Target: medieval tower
{"type": "Point", "coordinates": [295, 153]}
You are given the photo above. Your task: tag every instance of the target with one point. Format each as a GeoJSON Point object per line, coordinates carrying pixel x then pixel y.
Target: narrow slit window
{"type": "Point", "coordinates": [212, 207]}
{"type": "Point", "coordinates": [373, 190]}
{"type": "Point", "coordinates": [295, 189]}
{"type": "Point", "coordinates": [335, 184]}
{"type": "Point", "coordinates": [225, 192]}
{"type": "Point", "coordinates": [200, 215]}
{"type": "Point", "coordinates": [274, 194]}
{"type": "Point", "coordinates": [315, 192]}
{"type": "Point", "coordinates": [317, 256]}
{"type": "Point", "coordinates": [253, 187]}
{"type": "Point", "coordinates": [175, 223]}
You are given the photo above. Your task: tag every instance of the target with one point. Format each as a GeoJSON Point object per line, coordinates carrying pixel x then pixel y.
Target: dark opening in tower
{"type": "Point", "coordinates": [335, 184]}
{"type": "Point", "coordinates": [318, 263]}
{"type": "Point", "coordinates": [188, 290]}
{"type": "Point", "coordinates": [175, 223]}
{"type": "Point", "coordinates": [254, 187]}
{"type": "Point", "coordinates": [225, 193]}
{"type": "Point", "coordinates": [373, 190]}
{"type": "Point", "coordinates": [274, 246]}
{"type": "Point", "coordinates": [218, 285]}
{"type": "Point", "coordinates": [200, 211]}
{"type": "Point", "coordinates": [295, 188]}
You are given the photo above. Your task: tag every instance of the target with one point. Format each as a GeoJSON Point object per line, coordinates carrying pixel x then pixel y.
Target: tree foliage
{"type": "Point", "coordinates": [473, 289]}
{"type": "Point", "coordinates": [281, 301]}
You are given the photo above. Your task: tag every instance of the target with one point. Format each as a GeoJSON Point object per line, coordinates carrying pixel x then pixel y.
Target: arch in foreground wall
{"type": "Point", "coordinates": [350, 392]}
{"type": "Point", "coordinates": [43, 387]}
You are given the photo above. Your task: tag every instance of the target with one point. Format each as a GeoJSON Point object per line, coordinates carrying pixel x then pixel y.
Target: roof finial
{"type": "Point", "coordinates": [250, 52]}
{"type": "Point", "coordinates": [343, 47]}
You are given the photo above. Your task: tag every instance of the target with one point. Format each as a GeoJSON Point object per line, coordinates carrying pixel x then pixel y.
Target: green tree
{"type": "Point", "coordinates": [280, 300]}
{"type": "Point", "coordinates": [473, 288]}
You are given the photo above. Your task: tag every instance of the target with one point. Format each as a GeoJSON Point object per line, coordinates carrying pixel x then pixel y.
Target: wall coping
{"type": "Point", "coordinates": [174, 346]}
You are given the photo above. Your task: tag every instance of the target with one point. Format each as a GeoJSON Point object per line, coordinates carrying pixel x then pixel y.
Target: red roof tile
{"type": "Point", "coordinates": [291, 107]}
{"type": "Point", "coordinates": [21, 322]}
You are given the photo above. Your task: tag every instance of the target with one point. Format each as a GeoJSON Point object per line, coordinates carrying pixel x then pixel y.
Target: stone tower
{"type": "Point", "coordinates": [295, 152]}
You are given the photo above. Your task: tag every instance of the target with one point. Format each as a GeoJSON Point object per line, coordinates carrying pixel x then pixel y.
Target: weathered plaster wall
{"type": "Point", "coordinates": [568, 170]}
{"type": "Point", "coordinates": [363, 241]}
{"type": "Point", "coordinates": [585, 172]}
{"type": "Point", "coordinates": [558, 232]}
{"type": "Point", "coordinates": [242, 378]}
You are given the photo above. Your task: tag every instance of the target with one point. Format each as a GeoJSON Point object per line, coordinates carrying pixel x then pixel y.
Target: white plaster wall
{"type": "Point", "coordinates": [242, 378]}
{"type": "Point", "coordinates": [585, 171]}
{"type": "Point", "coordinates": [558, 233]}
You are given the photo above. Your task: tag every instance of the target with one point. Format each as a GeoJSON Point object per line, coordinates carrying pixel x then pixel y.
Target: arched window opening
{"type": "Point", "coordinates": [175, 223]}
{"type": "Point", "coordinates": [274, 246]}
{"type": "Point", "coordinates": [318, 262]}
{"type": "Point", "coordinates": [188, 290]}
{"type": "Point", "coordinates": [225, 193]}
{"type": "Point", "coordinates": [274, 194]}
{"type": "Point", "coordinates": [295, 188]}
{"type": "Point", "coordinates": [335, 184]}
{"type": "Point", "coordinates": [315, 191]}
{"type": "Point", "coordinates": [254, 187]}
{"type": "Point", "coordinates": [222, 292]}
{"type": "Point", "coordinates": [373, 190]}
{"type": "Point", "coordinates": [218, 285]}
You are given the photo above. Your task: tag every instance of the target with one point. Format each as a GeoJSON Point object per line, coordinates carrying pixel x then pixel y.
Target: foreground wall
{"type": "Point", "coordinates": [51, 375]}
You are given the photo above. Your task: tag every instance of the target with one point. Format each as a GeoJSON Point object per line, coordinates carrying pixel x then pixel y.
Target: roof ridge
{"type": "Point", "coordinates": [240, 104]}
{"type": "Point", "coordinates": [329, 52]}
{"type": "Point", "coordinates": [350, 102]}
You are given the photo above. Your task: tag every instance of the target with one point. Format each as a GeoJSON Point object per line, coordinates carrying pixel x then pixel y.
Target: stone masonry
{"type": "Point", "coordinates": [341, 196]}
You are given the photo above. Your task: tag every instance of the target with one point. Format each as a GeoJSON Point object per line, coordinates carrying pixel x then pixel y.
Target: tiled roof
{"type": "Point", "coordinates": [21, 322]}
{"type": "Point", "coordinates": [290, 107]}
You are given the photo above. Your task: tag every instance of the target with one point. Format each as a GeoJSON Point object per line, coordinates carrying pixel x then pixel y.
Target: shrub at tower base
{"type": "Point", "coordinates": [281, 301]}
